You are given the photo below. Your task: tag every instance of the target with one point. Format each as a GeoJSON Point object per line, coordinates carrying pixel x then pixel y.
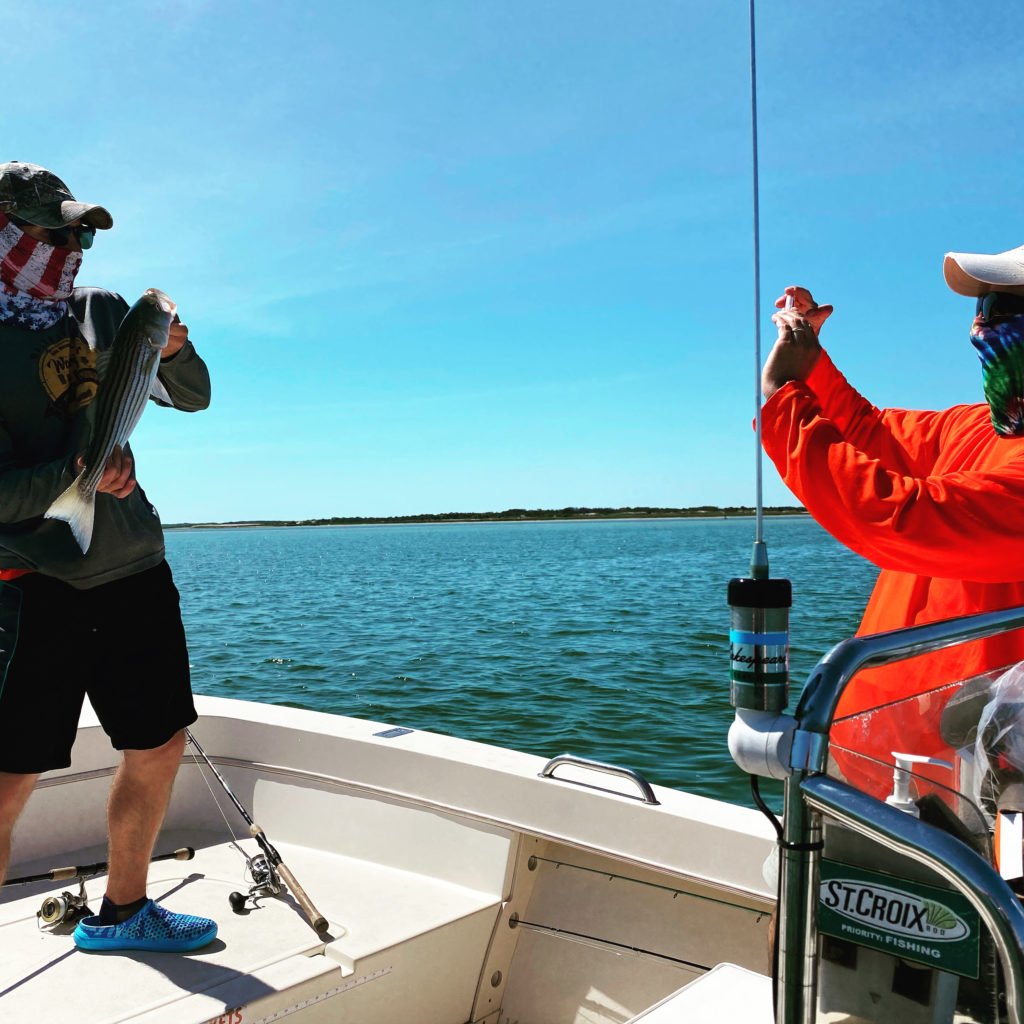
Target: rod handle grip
{"type": "Point", "coordinates": [316, 919]}
{"type": "Point", "coordinates": [58, 874]}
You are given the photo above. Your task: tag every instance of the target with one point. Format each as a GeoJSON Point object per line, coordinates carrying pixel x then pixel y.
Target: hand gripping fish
{"type": "Point", "coordinates": [127, 374]}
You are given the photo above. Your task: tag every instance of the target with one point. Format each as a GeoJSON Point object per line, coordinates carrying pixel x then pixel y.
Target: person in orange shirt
{"type": "Point", "coordinates": [934, 499]}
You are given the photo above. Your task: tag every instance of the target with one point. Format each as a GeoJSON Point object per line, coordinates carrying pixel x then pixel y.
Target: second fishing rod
{"type": "Point", "coordinates": [273, 858]}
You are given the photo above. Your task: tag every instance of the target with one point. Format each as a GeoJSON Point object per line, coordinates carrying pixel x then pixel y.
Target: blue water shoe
{"type": "Point", "coordinates": [152, 928]}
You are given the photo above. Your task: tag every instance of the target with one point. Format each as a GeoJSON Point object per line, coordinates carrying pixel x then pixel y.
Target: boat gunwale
{"type": "Point", "coordinates": [754, 900]}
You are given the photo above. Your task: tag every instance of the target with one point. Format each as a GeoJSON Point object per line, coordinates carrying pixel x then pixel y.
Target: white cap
{"type": "Point", "coordinates": [975, 274]}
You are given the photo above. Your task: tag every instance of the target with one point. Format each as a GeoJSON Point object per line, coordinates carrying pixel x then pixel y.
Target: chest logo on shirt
{"type": "Point", "coordinates": [67, 370]}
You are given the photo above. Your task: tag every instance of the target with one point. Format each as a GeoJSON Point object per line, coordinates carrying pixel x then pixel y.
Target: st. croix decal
{"type": "Point", "coordinates": [907, 919]}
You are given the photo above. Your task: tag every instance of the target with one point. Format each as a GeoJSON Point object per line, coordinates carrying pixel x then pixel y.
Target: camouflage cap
{"type": "Point", "coordinates": [37, 195]}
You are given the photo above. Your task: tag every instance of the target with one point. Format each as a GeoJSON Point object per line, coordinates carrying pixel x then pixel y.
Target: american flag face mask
{"type": "Point", "coordinates": [33, 267]}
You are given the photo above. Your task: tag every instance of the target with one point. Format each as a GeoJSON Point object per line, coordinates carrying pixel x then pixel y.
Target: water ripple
{"type": "Point", "coordinates": [605, 639]}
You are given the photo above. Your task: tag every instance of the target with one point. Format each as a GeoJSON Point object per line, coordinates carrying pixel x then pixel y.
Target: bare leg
{"type": "Point", "coordinates": [138, 802]}
{"type": "Point", "coordinates": [14, 793]}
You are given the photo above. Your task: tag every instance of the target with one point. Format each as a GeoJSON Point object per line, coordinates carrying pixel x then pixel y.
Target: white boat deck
{"type": "Point", "coordinates": [726, 993]}
{"type": "Point", "coordinates": [459, 885]}
{"type": "Point", "coordinates": [257, 954]}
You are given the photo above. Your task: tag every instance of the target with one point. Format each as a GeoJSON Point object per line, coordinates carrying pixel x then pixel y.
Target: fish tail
{"type": "Point", "coordinates": [78, 511]}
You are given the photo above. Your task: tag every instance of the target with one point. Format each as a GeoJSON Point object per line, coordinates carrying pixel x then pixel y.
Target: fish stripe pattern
{"type": "Point", "coordinates": [125, 387]}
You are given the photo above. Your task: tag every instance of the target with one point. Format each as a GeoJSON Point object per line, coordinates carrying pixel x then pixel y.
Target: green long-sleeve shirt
{"type": "Point", "coordinates": [47, 382]}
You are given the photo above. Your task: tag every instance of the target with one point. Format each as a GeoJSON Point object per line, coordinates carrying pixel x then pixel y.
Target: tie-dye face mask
{"type": "Point", "coordinates": [1000, 345]}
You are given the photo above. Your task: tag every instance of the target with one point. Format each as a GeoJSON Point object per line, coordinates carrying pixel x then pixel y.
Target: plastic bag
{"type": "Point", "coordinates": [999, 745]}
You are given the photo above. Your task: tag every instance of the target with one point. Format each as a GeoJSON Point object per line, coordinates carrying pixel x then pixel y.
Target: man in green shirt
{"type": "Point", "coordinates": [106, 623]}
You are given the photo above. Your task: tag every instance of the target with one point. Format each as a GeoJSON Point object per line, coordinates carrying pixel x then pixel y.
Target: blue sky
{"type": "Point", "coordinates": [465, 255]}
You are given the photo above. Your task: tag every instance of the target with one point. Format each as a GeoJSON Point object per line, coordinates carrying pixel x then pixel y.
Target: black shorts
{"type": "Point", "coordinates": [121, 643]}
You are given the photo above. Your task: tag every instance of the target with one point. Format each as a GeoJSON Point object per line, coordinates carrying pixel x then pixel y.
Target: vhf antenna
{"type": "Point", "coordinates": [759, 606]}
{"type": "Point", "coordinates": [759, 556]}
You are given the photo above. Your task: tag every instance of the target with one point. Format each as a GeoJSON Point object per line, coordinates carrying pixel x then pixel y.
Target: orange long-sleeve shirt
{"type": "Point", "coordinates": [935, 499]}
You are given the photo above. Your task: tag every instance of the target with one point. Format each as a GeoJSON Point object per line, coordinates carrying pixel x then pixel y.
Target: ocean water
{"type": "Point", "coordinates": [606, 639]}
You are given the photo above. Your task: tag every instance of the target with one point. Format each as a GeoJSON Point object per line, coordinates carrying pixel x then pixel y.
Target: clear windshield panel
{"type": "Point", "coordinates": [897, 943]}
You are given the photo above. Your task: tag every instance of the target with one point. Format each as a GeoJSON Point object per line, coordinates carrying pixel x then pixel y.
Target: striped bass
{"type": "Point", "coordinates": [127, 372]}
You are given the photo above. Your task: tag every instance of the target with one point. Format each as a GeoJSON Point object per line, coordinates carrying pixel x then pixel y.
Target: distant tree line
{"type": "Point", "coordinates": [520, 514]}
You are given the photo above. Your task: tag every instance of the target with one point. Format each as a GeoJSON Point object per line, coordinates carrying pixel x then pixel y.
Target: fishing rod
{"type": "Point", "coordinates": [85, 870]}
{"type": "Point", "coordinates": [69, 906]}
{"type": "Point", "coordinates": [264, 874]}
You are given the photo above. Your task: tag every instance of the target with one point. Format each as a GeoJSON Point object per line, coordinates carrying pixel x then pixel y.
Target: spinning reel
{"type": "Point", "coordinates": [67, 907]}
{"type": "Point", "coordinates": [263, 877]}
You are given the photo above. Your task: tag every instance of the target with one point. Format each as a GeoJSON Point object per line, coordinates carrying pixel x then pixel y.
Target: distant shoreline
{"type": "Point", "coordinates": [515, 515]}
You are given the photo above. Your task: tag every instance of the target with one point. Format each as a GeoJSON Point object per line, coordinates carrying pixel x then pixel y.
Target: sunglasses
{"type": "Point", "coordinates": [999, 304]}
{"type": "Point", "coordinates": [59, 237]}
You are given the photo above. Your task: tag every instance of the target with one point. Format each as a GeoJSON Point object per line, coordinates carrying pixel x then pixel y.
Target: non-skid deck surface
{"type": "Point", "coordinates": [726, 993]}
{"type": "Point", "coordinates": [255, 954]}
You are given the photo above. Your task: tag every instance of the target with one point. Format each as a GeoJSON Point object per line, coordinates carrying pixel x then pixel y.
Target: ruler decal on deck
{"type": "Point", "coordinates": [239, 1015]}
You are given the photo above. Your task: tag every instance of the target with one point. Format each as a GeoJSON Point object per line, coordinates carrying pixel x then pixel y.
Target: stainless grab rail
{"type": "Point", "coordinates": [548, 772]}
{"type": "Point", "coordinates": [809, 794]}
